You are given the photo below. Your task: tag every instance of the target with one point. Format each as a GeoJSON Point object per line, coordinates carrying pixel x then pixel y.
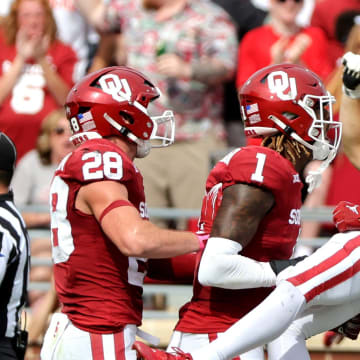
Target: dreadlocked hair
{"type": "Point", "coordinates": [287, 147]}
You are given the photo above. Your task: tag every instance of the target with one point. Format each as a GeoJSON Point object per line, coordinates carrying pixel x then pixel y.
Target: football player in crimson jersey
{"type": "Point", "coordinates": [101, 235]}
{"type": "Point", "coordinates": [252, 205]}
{"type": "Point", "coordinates": [316, 294]}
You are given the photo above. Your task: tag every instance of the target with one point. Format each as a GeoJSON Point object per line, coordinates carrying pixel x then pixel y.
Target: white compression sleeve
{"type": "Point", "coordinates": [222, 266]}
{"type": "Point", "coordinates": [260, 326]}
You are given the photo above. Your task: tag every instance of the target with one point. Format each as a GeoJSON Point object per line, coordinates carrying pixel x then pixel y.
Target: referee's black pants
{"type": "Point", "coordinates": [7, 350]}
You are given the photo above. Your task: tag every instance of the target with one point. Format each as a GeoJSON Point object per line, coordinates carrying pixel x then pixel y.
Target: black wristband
{"type": "Point", "coordinates": [279, 265]}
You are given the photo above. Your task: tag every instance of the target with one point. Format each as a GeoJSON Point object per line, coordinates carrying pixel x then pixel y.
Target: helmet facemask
{"type": "Point", "coordinates": [163, 130]}
{"type": "Point", "coordinates": [165, 123]}
{"type": "Point", "coordinates": [325, 133]}
{"type": "Point", "coordinates": [163, 134]}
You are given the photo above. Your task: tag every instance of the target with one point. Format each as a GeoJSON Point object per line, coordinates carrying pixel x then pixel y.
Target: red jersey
{"type": "Point", "coordinates": [253, 58]}
{"type": "Point", "coordinates": [99, 288]}
{"type": "Point", "coordinates": [325, 15]}
{"type": "Point", "coordinates": [213, 309]}
{"type": "Point", "coordinates": [24, 109]}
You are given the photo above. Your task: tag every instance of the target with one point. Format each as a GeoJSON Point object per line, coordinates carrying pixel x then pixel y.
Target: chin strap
{"type": "Point", "coordinates": [314, 177]}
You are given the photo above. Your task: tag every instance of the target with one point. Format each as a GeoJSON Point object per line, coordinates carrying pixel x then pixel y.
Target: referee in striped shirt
{"type": "Point", "coordinates": [14, 259]}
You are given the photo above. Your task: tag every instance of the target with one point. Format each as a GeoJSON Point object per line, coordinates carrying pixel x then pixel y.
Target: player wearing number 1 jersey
{"type": "Point", "coordinates": [252, 206]}
{"type": "Point", "coordinates": [213, 310]}
{"type": "Point", "coordinates": [101, 236]}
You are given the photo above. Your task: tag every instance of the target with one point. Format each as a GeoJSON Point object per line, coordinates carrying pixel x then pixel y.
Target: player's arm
{"type": "Point", "coordinates": [237, 220]}
{"type": "Point", "coordinates": [350, 108]}
{"type": "Point", "coordinates": [121, 222]}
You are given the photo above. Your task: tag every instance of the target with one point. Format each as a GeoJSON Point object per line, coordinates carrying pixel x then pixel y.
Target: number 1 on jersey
{"type": "Point", "coordinates": [257, 175]}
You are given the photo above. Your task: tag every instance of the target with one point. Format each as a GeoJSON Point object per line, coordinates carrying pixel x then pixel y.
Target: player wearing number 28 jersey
{"type": "Point", "coordinates": [101, 235]}
{"type": "Point", "coordinates": [87, 249]}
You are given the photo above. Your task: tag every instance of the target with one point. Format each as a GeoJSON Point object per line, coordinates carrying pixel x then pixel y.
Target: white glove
{"type": "Point", "coordinates": [351, 75]}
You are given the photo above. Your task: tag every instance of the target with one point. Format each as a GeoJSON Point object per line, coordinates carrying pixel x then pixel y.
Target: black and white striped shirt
{"type": "Point", "coordinates": [14, 265]}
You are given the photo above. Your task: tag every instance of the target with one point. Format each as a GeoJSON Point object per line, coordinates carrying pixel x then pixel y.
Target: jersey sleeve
{"type": "Point", "coordinates": [261, 167]}
{"type": "Point", "coordinates": [100, 162]}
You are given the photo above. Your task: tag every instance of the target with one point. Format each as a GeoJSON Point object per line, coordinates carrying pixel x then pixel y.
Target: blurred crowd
{"type": "Point", "coordinates": [198, 52]}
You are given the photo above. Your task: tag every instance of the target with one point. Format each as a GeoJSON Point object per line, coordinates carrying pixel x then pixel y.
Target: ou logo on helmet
{"type": "Point", "coordinates": [119, 89]}
{"type": "Point", "coordinates": [280, 84]}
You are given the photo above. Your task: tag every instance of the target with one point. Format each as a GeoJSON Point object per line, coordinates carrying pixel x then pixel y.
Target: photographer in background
{"type": "Point", "coordinates": [14, 260]}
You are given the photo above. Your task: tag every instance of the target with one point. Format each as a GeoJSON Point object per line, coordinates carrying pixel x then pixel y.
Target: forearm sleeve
{"type": "Point", "coordinates": [222, 266]}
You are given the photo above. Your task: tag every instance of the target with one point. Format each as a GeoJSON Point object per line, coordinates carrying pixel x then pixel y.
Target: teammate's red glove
{"type": "Point", "coordinates": [349, 329]}
{"type": "Point", "coordinates": [346, 216]}
{"type": "Point", "coordinates": [332, 337]}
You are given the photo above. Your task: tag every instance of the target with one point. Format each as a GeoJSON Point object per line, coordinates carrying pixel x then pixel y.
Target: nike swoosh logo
{"type": "Point", "coordinates": [2, 255]}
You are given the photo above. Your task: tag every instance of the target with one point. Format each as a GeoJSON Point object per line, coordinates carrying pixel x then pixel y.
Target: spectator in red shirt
{"type": "Point", "coordinates": [282, 40]}
{"type": "Point", "coordinates": [36, 71]}
{"type": "Point", "coordinates": [324, 16]}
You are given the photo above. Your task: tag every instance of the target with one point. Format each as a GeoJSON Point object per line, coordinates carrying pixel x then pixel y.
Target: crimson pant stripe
{"type": "Point", "coordinates": [213, 336]}
{"type": "Point", "coordinates": [325, 265]}
{"type": "Point", "coordinates": [119, 346]}
{"type": "Point", "coordinates": [97, 346]}
{"type": "Point", "coordinates": [347, 274]}
{"type": "Point", "coordinates": [55, 237]}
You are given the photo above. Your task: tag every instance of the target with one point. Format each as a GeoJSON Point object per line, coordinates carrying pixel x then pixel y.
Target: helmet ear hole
{"type": "Point", "coordinates": [128, 119]}
{"type": "Point", "coordinates": [289, 115]}
{"type": "Point", "coordinates": [83, 109]}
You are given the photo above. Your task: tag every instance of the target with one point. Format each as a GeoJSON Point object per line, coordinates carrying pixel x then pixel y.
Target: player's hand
{"type": "Point", "coordinates": [349, 329]}
{"type": "Point", "coordinates": [332, 337]}
{"type": "Point", "coordinates": [351, 75]}
{"type": "Point", "coordinates": [346, 216]}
